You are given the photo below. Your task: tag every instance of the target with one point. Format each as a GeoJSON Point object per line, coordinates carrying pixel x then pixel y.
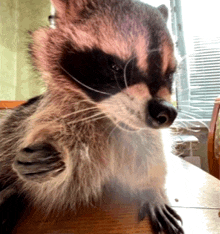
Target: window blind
{"type": "Point", "coordinates": [204, 76]}
{"type": "Point", "coordinates": [195, 25]}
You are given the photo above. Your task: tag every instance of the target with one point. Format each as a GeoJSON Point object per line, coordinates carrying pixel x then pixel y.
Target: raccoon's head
{"type": "Point", "coordinates": [118, 53]}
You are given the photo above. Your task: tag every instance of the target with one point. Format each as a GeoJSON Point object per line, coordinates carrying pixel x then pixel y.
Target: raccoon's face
{"type": "Point", "coordinates": [119, 53]}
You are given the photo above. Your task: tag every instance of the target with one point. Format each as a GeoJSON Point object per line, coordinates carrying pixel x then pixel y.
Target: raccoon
{"type": "Point", "coordinates": [108, 69]}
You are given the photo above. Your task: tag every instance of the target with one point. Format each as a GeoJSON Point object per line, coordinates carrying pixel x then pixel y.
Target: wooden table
{"type": "Point", "coordinates": [192, 192]}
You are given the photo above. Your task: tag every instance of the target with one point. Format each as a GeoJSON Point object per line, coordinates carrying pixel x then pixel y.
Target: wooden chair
{"type": "Point", "coordinates": [10, 104]}
{"type": "Point", "coordinates": [214, 141]}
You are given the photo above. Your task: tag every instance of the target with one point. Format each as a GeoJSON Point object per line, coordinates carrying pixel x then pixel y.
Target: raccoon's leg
{"type": "Point", "coordinates": [161, 215]}
{"type": "Point", "coordinates": [39, 162]}
{"type": "Point", "coordinates": [12, 201]}
{"type": "Point", "coordinates": [12, 205]}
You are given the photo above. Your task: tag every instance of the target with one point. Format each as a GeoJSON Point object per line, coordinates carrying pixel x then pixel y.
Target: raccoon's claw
{"type": "Point", "coordinates": [38, 162]}
{"type": "Point", "coordinates": [162, 217]}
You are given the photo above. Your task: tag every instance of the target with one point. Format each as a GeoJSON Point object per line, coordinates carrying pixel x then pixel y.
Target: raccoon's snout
{"type": "Point", "coordinates": [160, 113]}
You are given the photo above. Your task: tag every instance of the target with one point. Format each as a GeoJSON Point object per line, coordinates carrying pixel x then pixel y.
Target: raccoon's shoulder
{"type": "Point", "coordinates": [14, 118]}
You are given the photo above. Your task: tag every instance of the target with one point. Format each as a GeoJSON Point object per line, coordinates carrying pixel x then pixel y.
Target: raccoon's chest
{"type": "Point", "coordinates": [135, 155]}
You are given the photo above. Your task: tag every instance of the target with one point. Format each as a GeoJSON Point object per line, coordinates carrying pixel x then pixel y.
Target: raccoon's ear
{"type": "Point", "coordinates": [164, 11]}
{"type": "Point", "coordinates": [60, 6]}
{"type": "Point", "coordinates": [71, 9]}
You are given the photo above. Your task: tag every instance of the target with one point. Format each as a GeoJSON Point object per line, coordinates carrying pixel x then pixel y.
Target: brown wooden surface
{"type": "Point", "coordinates": [214, 163]}
{"type": "Point", "coordinates": [192, 192]}
{"type": "Point", "coordinates": [10, 104]}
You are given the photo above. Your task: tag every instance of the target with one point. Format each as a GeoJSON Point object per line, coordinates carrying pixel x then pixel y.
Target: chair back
{"type": "Point", "coordinates": [10, 104]}
{"type": "Point", "coordinates": [214, 141]}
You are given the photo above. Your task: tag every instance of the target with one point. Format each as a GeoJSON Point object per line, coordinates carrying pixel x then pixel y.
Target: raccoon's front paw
{"type": "Point", "coordinates": [162, 217]}
{"type": "Point", "coordinates": [39, 162]}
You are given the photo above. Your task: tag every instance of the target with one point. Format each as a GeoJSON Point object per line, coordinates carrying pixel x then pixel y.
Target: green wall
{"type": "Point", "coordinates": [18, 80]}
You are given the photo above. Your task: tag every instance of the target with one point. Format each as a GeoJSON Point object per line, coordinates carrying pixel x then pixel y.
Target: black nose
{"type": "Point", "coordinates": [160, 113]}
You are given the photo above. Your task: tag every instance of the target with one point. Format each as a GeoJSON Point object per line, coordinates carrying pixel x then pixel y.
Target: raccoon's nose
{"type": "Point", "coordinates": [160, 113]}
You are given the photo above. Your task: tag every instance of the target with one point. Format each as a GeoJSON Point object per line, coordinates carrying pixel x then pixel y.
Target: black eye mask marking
{"type": "Point", "coordinates": [99, 74]}
{"type": "Point", "coordinates": [102, 75]}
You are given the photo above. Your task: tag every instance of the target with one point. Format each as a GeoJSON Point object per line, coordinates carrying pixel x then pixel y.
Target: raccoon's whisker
{"type": "Point", "coordinates": [94, 119]}
{"type": "Point", "coordinates": [154, 50]}
{"type": "Point", "coordinates": [117, 125]}
{"type": "Point", "coordinates": [194, 118]}
{"type": "Point", "coordinates": [85, 119]}
{"type": "Point", "coordinates": [117, 82]}
{"type": "Point", "coordinates": [186, 125]}
{"type": "Point", "coordinates": [178, 125]}
{"type": "Point", "coordinates": [193, 115]}
{"type": "Point", "coordinates": [111, 132]}
{"type": "Point", "coordinates": [193, 107]}
{"type": "Point", "coordinates": [125, 68]}
{"type": "Point", "coordinates": [79, 82]}
{"type": "Point", "coordinates": [178, 128]}
{"type": "Point", "coordinates": [189, 123]}
{"type": "Point", "coordinates": [87, 101]}
{"type": "Point", "coordinates": [98, 118]}
{"type": "Point", "coordinates": [79, 111]}
{"type": "Point", "coordinates": [181, 59]}
{"type": "Point", "coordinates": [125, 129]}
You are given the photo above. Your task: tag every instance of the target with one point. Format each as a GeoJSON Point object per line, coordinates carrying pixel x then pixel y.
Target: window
{"type": "Point", "coordinates": [195, 25]}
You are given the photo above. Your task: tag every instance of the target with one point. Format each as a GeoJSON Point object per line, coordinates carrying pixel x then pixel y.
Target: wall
{"type": "Point", "coordinates": [8, 48]}
{"type": "Point", "coordinates": [18, 80]}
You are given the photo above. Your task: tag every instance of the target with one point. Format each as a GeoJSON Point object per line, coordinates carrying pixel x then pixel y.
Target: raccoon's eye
{"type": "Point", "coordinates": [170, 77]}
{"type": "Point", "coordinates": [115, 67]}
